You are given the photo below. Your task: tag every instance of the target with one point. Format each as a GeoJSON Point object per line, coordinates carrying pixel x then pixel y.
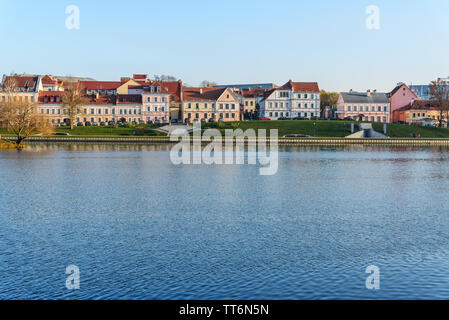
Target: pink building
{"type": "Point", "coordinates": [400, 96]}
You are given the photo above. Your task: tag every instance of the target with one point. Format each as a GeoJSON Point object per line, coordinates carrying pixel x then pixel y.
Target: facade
{"type": "Point", "coordinates": [99, 108]}
{"type": "Point", "coordinates": [364, 106]}
{"type": "Point", "coordinates": [156, 103]}
{"type": "Point", "coordinates": [401, 96]}
{"type": "Point", "coordinates": [210, 104]}
{"type": "Point", "coordinates": [293, 99]}
{"type": "Point", "coordinates": [423, 91]}
{"type": "Point", "coordinates": [129, 108]}
{"type": "Point", "coordinates": [419, 112]}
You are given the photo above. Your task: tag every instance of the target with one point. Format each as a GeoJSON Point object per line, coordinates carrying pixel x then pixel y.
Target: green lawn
{"type": "Point", "coordinates": [326, 128]}
{"type": "Point", "coordinates": [319, 128]}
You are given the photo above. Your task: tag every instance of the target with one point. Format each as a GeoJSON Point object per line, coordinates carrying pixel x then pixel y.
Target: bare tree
{"type": "Point", "coordinates": [19, 114]}
{"type": "Point", "coordinates": [164, 77]}
{"type": "Point", "coordinates": [439, 91]}
{"type": "Point", "coordinates": [73, 99]}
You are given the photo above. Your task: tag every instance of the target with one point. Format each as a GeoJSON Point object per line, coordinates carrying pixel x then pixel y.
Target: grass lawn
{"type": "Point", "coordinates": [111, 131]}
{"type": "Point", "coordinates": [326, 128]}
{"type": "Point", "coordinates": [318, 128]}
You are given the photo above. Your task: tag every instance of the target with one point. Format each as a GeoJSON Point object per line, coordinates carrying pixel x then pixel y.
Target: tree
{"type": "Point", "coordinates": [439, 92]}
{"type": "Point", "coordinates": [73, 99]}
{"type": "Point", "coordinates": [206, 84]}
{"type": "Point", "coordinates": [328, 99]}
{"type": "Point", "coordinates": [19, 114]}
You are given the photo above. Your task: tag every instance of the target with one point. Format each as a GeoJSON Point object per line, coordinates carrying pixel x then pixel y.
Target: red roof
{"type": "Point", "coordinates": [139, 76]}
{"type": "Point", "coordinates": [50, 94]}
{"type": "Point", "coordinates": [28, 83]}
{"type": "Point", "coordinates": [129, 99]}
{"type": "Point", "coordinates": [101, 99]}
{"type": "Point", "coordinates": [419, 105]}
{"type": "Point", "coordinates": [100, 85]}
{"type": "Point", "coordinates": [300, 86]}
{"type": "Point", "coordinates": [202, 94]}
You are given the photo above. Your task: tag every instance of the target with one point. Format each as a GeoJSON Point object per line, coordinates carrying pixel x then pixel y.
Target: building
{"type": "Point", "coordinates": [50, 106]}
{"type": "Point", "coordinates": [210, 104]}
{"type": "Point", "coordinates": [423, 91]}
{"type": "Point", "coordinates": [129, 108]}
{"type": "Point", "coordinates": [364, 106]}
{"type": "Point", "coordinates": [400, 96]}
{"type": "Point", "coordinates": [293, 99]}
{"type": "Point", "coordinates": [99, 108]}
{"type": "Point", "coordinates": [28, 87]}
{"type": "Point", "coordinates": [419, 112]}
{"type": "Point", "coordinates": [250, 102]}
{"type": "Point", "coordinates": [156, 102]}
{"type": "Point", "coordinates": [93, 88]}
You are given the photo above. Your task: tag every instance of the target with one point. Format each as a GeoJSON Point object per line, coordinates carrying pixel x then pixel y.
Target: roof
{"type": "Point", "coordinates": [129, 99]}
{"type": "Point", "coordinates": [249, 86]}
{"type": "Point", "coordinates": [418, 105]}
{"type": "Point", "coordinates": [202, 94]}
{"type": "Point", "coordinates": [251, 93]}
{"type": "Point", "coordinates": [399, 86]}
{"type": "Point", "coordinates": [47, 94]}
{"type": "Point", "coordinates": [100, 85]}
{"type": "Point", "coordinates": [363, 97]}
{"type": "Point", "coordinates": [300, 86]}
{"type": "Point", "coordinates": [28, 83]}
{"type": "Point", "coordinates": [101, 99]}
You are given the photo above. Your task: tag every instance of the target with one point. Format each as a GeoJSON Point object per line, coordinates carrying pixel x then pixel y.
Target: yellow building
{"type": "Point", "coordinates": [210, 105]}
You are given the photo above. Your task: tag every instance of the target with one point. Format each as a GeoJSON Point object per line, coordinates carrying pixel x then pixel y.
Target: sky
{"type": "Point", "coordinates": [231, 41]}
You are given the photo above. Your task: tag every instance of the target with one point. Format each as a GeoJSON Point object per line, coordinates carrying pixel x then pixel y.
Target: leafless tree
{"type": "Point", "coordinates": [73, 99]}
{"type": "Point", "coordinates": [439, 91]}
{"type": "Point", "coordinates": [18, 113]}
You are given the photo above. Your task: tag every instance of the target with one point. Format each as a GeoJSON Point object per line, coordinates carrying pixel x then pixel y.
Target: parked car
{"type": "Point", "coordinates": [149, 122]}
{"type": "Point", "coordinates": [61, 134]}
{"type": "Point", "coordinates": [110, 123]}
{"type": "Point", "coordinates": [203, 120]}
{"type": "Point", "coordinates": [87, 123]}
{"type": "Point", "coordinates": [211, 120]}
{"type": "Point", "coordinates": [102, 123]}
{"type": "Point", "coordinates": [264, 119]}
{"type": "Point", "coordinates": [134, 122]}
{"type": "Point", "coordinates": [94, 124]}
{"type": "Point", "coordinates": [79, 124]}
{"type": "Point", "coordinates": [299, 118]}
{"type": "Point", "coordinates": [282, 118]}
{"type": "Point", "coordinates": [314, 118]}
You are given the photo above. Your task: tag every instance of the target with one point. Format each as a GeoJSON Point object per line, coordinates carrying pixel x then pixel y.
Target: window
{"type": "Point", "coordinates": [283, 94]}
{"type": "Point", "coordinates": [349, 108]}
{"type": "Point", "coordinates": [379, 108]}
{"type": "Point", "coordinates": [233, 106]}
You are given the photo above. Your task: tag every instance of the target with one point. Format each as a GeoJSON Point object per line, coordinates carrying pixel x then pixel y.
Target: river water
{"type": "Point", "coordinates": [139, 227]}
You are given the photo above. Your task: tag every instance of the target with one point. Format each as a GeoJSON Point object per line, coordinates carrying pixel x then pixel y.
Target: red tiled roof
{"type": "Point", "coordinates": [100, 85]}
{"type": "Point", "coordinates": [251, 93]}
{"type": "Point", "coordinates": [139, 76]}
{"type": "Point", "coordinates": [129, 99]}
{"type": "Point", "coordinates": [418, 105]}
{"type": "Point", "coordinates": [202, 94]}
{"type": "Point", "coordinates": [101, 99]}
{"type": "Point", "coordinates": [49, 94]}
{"type": "Point", "coordinates": [300, 86]}
{"type": "Point", "coordinates": [25, 82]}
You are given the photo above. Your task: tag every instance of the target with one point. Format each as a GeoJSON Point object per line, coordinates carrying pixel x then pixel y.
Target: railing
{"type": "Point", "coordinates": [291, 141]}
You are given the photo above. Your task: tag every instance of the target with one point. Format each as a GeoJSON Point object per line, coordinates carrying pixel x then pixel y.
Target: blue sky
{"type": "Point", "coordinates": [231, 41]}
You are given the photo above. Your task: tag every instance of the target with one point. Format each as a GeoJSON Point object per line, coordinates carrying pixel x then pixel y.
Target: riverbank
{"type": "Point", "coordinates": [6, 145]}
{"type": "Point", "coordinates": [281, 141]}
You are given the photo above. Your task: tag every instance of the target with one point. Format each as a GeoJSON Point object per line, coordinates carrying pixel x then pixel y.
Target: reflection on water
{"type": "Point", "coordinates": [139, 227]}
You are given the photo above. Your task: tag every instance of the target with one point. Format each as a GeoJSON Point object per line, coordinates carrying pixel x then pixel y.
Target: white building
{"type": "Point", "coordinates": [293, 99]}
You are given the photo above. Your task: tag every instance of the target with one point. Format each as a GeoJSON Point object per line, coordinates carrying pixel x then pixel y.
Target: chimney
{"type": "Point", "coordinates": [201, 90]}
{"type": "Point", "coordinates": [181, 94]}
